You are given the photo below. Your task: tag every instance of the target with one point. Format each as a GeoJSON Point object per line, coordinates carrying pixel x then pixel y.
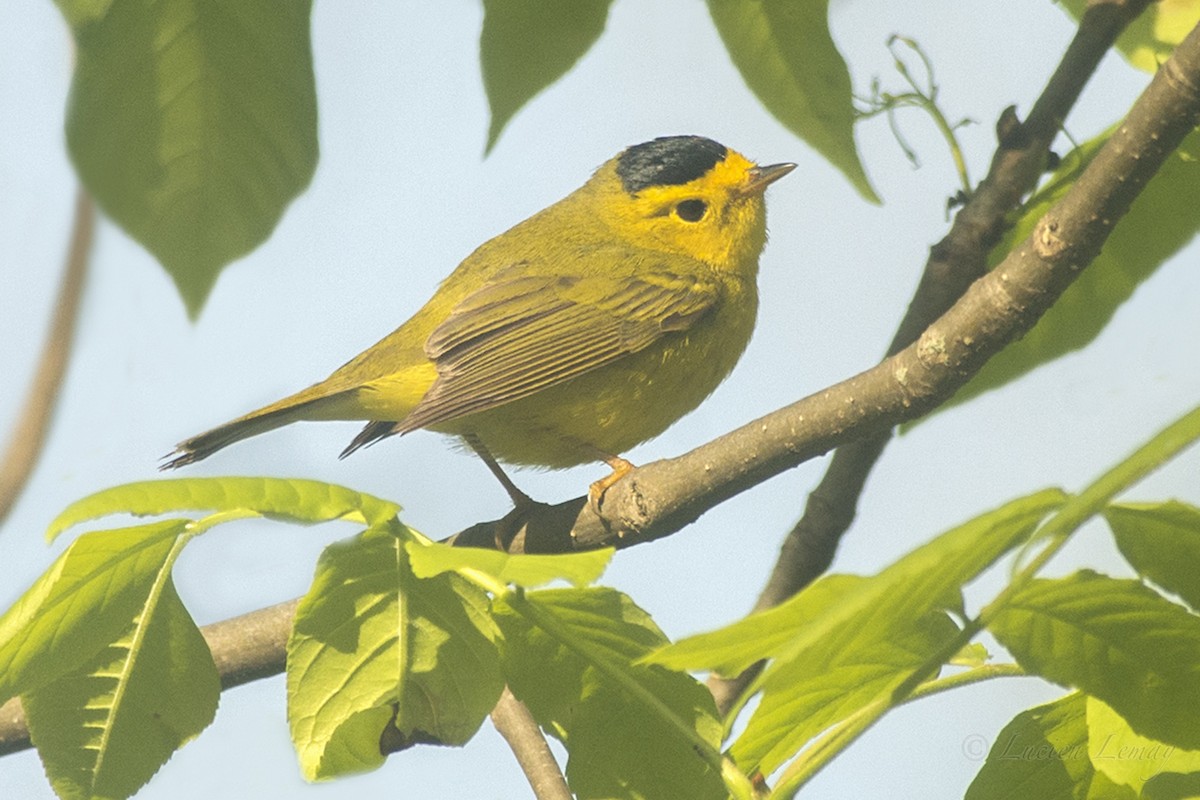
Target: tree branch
{"type": "Point", "coordinates": [660, 498]}
{"type": "Point", "coordinates": [518, 727]}
{"type": "Point", "coordinates": [954, 263]}
{"type": "Point", "coordinates": [29, 433]}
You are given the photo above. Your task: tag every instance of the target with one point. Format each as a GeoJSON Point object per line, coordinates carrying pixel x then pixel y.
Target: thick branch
{"type": "Point", "coordinates": [660, 498]}
{"type": "Point", "coordinates": [29, 433]}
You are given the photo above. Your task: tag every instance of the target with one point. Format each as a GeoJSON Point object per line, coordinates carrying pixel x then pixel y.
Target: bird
{"type": "Point", "coordinates": [577, 334]}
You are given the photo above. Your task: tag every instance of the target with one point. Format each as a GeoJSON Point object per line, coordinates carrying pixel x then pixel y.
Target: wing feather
{"type": "Point", "coordinates": [514, 338]}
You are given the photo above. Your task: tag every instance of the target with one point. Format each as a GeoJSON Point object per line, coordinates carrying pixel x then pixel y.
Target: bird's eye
{"type": "Point", "coordinates": [691, 210]}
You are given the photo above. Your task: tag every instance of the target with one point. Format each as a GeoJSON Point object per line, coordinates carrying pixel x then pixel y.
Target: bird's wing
{"type": "Point", "coordinates": [515, 337]}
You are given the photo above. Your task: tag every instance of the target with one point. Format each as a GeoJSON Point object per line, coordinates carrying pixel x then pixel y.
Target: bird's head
{"type": "Point", "coordinates": [688, 195]}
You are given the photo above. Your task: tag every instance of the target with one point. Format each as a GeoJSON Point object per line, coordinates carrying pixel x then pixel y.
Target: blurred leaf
{"type": "Point", "coordinates": [526, 45]}
{"type": "Point", "coordinates": [618, 747]}
{"type": "Point", "coordinates": [430, 558]}
{"type": "Point", "coordinates": [80, 12]}
{"type": "Point", "coordinates": [103, 730]}
{"type": "Point", "coordinates": [1162, 542]}
{"type": "Point", "coordinates": [289, 499]}
{"type": "Point", "coordinates": [1172, 786]}
{"type": "Point", "coordinates": [82, 603]}
{"type": "Point", "coordinates": [1116, 640]}
{"type": "Point", "coordinates": [1042, 753]}
{"type": "Point", "coordinates": [1164, 218]}
{"type": "Point", "coordinates": [785, 54]}
{"type": "Point", "coordinates": [971, 655]}
{"type": "Point", "coordinates": [1150, 39]}
{"type": "Point", "coordinates": [193, 124]}
{"type": "Point", "coordinates": [371, 642]}
{"type": "Point", "coordinates": [1130, 759]}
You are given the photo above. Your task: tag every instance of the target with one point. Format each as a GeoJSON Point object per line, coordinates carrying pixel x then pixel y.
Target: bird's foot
{"type": "Point", "coordinates": [620, 468]}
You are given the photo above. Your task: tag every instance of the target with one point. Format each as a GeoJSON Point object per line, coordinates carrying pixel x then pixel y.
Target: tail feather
{"type": "Point", "coordinates": [369, 436]}
{"type": "Point", "coordinates": [203, 445]}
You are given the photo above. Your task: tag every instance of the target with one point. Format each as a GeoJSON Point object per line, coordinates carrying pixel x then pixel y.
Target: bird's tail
{"type": "Point", "coordinates": [369, 435]}
{"type": "Point", "coordinates": [276, 415]}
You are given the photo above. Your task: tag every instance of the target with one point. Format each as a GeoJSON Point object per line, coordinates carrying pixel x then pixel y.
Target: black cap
{"type": "Point", "coordinates": [667, 161]}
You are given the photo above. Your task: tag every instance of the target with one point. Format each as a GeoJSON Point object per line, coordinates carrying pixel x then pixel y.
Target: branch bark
{"type": "Point", "coordinates": [662, 497]}
{"type": "Point", "coordinates": [518, 727]}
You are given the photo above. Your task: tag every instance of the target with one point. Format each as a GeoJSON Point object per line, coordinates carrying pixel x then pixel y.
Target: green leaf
{"type": "Point", "coordinates": [1150, 39]}
{"type": "Point", "coordinates": [82, 603]}
{"type": "Point", "coordinates": [103, 730]}
{"type": "Point", "coordinates": [729, 650]}
{"type": "Point", "coordinates": [1042, 753]}
{"type": "Point", "coordinates": [1127, 758]}
{"type": "Point", "coordinates": [1162, 542]}
{"type": "Point", "coordinates": [971, 655]}
{"type": "Point", "coordinates": [804, 695]}
{"type": "Point", "coordinates": [430, 558]}
{"type": "Point", "coordinates": [1173, 786]}
{"type": "Point", "coordinates": [293, 500]}
{"type": "Point", "coordinates": [193, 124]}
{"type": "Point", "coordinates": [563, 672]}
{"type": "Point", "coordinates": [376, 651]}
{"type": "Point", "coordinates": [526, 45]}
{"type": "Point", "coordinates": [838, 647]}
{"type": "Point", "coordinates": [785, 54]}
{"type": "Point", "coordinates": [825, 615]}
{"type": "Point", "coordinates": [1116, 640]}
{"type": "Point", "coordinates": [1164, 218]}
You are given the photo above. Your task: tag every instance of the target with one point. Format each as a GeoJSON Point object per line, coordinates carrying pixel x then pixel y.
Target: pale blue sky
{"type": "Point", "coordinates": [402, 193]}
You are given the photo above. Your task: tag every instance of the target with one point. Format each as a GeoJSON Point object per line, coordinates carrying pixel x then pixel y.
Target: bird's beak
{"type": "Point", "coordinates": [759, 178]}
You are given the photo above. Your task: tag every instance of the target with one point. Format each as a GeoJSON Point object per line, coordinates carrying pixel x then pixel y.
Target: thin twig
{"type": "Point", "coordinates": [518, 727]}
{"type": "Point", "coordinates": [29, 433]}
{"type": "Point", "coordinates": [920, 96]}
